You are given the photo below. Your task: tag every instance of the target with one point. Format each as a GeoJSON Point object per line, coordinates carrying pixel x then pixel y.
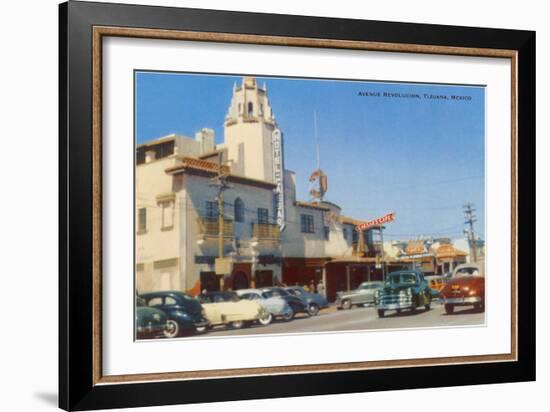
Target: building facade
{"type": "Point", "coordinates": [268, 235]}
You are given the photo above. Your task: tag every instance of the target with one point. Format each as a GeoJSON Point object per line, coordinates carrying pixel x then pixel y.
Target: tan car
{"type": "Point", "coordinates": [225, 308]}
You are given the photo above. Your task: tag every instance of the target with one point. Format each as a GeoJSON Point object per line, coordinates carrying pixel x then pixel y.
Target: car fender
{"type": "Point", "coordinates": [274, 304]}
{"type": "Point", "coordinates": [183, 319]}
{"type": "Point", "coordinates": [226, 312]}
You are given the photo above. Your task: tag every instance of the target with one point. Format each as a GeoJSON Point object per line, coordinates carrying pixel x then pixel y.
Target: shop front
{"type": "Point", "coordinates": [303, 271]}
{"type": "Point", "coordinates": [447, 258]}
{"type": "Point", "coordinates": [346, 275]}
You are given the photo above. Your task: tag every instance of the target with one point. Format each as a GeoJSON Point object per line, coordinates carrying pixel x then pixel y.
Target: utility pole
{"type": "Point", "coordinates": [360, 243]}
{"type": "Point", "coordinates": [220, 181]}
{"type": "Point", "coordinates": [470, 219]}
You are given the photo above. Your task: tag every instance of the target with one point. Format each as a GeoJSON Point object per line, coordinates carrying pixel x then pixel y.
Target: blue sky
{"type": "Point", "coordinates": [421, 158]}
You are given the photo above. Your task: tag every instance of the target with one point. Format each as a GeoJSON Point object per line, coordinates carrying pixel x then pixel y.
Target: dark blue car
{"type": "Point", "coordinates": [297, 304]}
{"type": "Point", "coordinates": [184, 313]}
{"type": "Point", "coordinates": [314, 301]}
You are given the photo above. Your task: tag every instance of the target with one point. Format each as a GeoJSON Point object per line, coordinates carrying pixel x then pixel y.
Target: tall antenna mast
{"type": "Point", "coordinates": [316, 139]}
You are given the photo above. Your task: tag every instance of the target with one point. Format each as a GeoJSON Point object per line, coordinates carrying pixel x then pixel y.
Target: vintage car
{"type": "Point", "coordinates": [185, 314]}
{"type": "Point", "coordinates": [364, 294]}
{"type": "Point", "coordinates": [150, 322]}
{"type": "Point", "coordinates": [275, 305]}
{"type": "Point", "coordinates": [436, 283]}
{"type": "Point", "coordinates": [315, 301]}
{"type": "Point", "coordinates": [225, 308]}
{"type": "Point", "coordinates": [465, 288]}
{"type": "Point", "coordinates": [403, 290]}
{"type": "Point", "coordinates": [297, 304]}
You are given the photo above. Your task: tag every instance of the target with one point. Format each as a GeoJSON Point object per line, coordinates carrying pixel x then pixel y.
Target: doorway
{"type": "Point", "coordinates": [264, 278]}
{"type": "Point", "coordinates": [209, 281]}
{"type": "Point", "coordinates": [240, 281]}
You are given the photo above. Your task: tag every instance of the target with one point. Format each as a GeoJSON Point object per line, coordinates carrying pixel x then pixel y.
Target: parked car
{"type": "Point", "coordinates": [436, 283]}
{"type": "Point", "coordinates": [275, 305]}
{"type": "Point", "coordinates": [315, 301]}
{"type": "Point", "coordinates": [465, 288]}
{"type": "Point", "coordinates": [364, 294]}
{"type": "Point", "coordinates": [150, 322]}
{"type": "Point", "coordinates": [298, 305]}
{"type": "Point", "coordinates": [403, 290]}
{"type": "Point", "coordinates": [225, 308]}
{"type": "Point", "coordinates": [185, 314]}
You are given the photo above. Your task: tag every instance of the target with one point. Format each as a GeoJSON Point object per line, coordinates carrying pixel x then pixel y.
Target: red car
{"type": "Point", "coordinates": [466, 288]}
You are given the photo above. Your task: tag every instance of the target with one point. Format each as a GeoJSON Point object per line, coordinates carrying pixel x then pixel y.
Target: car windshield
{"type": "Point", "coordinates": [295, 292]}
{"type": "Point", "coordinates": [402, 278]}
{"type": "Point", "coordinates": [226, 297]}
{"type": "Point", "coordinates": [219, 297]}
{"type": "Point", "coordinates": [278, 292]}
{"type": "Point", "coordinates": [250, 296]}
{"type": "Point", "coordinates": [467, 271]}
{"type": "Point", "coordinates": [366, 286]}
{"type": "Point", "coordinates": [272, 294]}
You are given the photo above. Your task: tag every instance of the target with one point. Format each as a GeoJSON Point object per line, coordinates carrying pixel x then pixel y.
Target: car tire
{"type": "Point", "coordinates": [173, 330]}
{"type": "Point", "coordinates": [428, 304]}
{"type": "Point", "coordinates": [238, 324]}
{"type": "Point", "coordinates": [381, 313]}
{"type": "Point", "coordinates": [449, 308]}
{"type": "Point", "coordinates": [287, 317]}
{"type": "Point", "coordinates": [313, 309]}
{"type": "Point", "coordinates": [346, 304]}
{"type": "Point", "coordinates": [265, 319]}
{"type": "Point", "coordinates": [480, 307]}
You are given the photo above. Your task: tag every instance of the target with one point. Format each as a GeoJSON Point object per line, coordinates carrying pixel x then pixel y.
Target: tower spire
{"type": "Point", "coordinates": [248, 127]}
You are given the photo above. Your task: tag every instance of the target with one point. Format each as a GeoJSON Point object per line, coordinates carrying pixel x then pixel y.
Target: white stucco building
{"type": "Point", "coordinates": [269, 235]}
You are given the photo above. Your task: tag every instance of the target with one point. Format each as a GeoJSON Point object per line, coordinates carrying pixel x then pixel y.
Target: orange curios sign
{"type": "Point", "coordinates": [390, 217]}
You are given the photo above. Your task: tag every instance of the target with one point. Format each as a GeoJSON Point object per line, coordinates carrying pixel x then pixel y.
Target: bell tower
{"type": "Point", "coordinates": [248, 131]}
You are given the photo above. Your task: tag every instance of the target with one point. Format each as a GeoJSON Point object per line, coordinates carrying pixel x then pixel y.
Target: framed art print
{"type": "Point", "coordinates": [259, 205]}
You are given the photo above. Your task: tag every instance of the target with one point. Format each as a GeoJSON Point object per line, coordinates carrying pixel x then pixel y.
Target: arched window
{"type": "Point", "coordinates": [239, 210]}
{"type": "Point", "coordinates": [250, 110]}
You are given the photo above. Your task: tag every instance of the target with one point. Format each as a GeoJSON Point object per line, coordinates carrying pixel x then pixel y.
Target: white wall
{"type": "Point", "coordinates": [29, 210]}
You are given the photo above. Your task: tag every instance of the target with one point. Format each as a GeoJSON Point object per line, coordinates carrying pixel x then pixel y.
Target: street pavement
{"type": "Point", "coordinates": [361, 318]}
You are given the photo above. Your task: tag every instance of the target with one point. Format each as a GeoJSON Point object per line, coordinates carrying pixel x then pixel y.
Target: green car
{"type": "Point", "coordinates": [403, 290]}
{"type": "Point", "coordinates": [150, 322]}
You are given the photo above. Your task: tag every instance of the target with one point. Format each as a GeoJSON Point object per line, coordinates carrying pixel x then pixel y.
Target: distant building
{"type": "Point", "coordinates": [431, 256]}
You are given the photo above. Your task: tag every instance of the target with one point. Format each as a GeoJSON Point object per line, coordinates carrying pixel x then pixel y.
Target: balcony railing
{"type": "Point", "coordinates": [356, 252]}
{"type": "Point", "coordinates": [266, 231]}
{"type": "Point", "coordinates": [209, 227]}
{"type": "Point", "coordinates": [373, 251]}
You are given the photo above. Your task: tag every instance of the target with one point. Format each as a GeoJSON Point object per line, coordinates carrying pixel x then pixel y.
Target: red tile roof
{"type": "Point", "coordinates": [210, 169]}
{"type": "Point", "coordinates": [312, 205]}
{"type": "Point", "coordinates": [198, 164]}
